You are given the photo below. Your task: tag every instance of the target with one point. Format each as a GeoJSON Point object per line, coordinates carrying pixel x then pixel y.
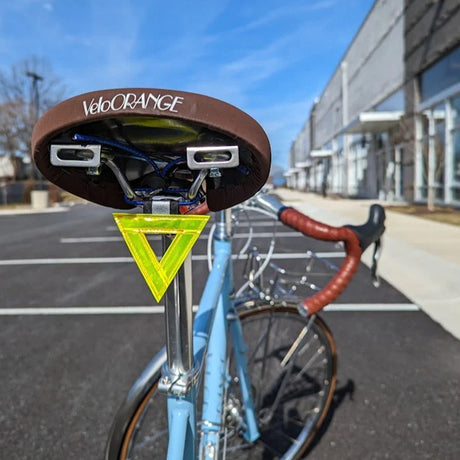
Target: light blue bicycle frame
{"type": "Point", "coordinates": [215, 317]}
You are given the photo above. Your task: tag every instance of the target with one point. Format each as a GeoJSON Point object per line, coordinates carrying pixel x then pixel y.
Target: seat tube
{"type": "Point", "coordinates": [179, 348]}
{"type": "Point", "coordinates": [182, 443]}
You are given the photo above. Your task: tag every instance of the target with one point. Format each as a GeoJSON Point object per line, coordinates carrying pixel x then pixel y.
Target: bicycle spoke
{"type": "Point", "coordinates": [287, 437]}
{"type": "Point", "coordinates": [263, 336]}
{"type": "Point", "coordinates": [270, 448]}
{"type": "Point", "coordinates": [251, 358]}
{"type": "Point", "coordinates": [283, 385]}
{"type": "Point", "coordinates": [297, 342]}
{"type": "Point", "coordinates": [282, 418]}
{"type": "Point", "coordinates": [279, 395]}
{"type": "Point", "coordinates": [309, 363]}
{"type": "Point", "coordinates": [264, 360]}
{"type": "Point", "coordinates": [151, 439]}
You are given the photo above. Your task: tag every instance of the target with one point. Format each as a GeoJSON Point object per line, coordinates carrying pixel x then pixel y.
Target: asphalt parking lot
{"type": "Point", "coordinates": [75, 335]}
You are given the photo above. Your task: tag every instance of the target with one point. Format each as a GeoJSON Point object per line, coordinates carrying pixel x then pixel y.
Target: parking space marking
{"type": "Point", "coordinates": [51, 311]}
{"type": "Point", "coordinates": [92, 239]}
{"type": "Point", "coordinates": [257, 223]}
{"type": "Point", "coordinates": [375, 307]}
{"type": "Point", "coordinates": [285, 255]}
{"type": "Point", "coordinates": [113, 239]}
{"type": "Point", "coordinates": [64, 261]}
{"type": "Point", "coordinates": [142, 310]}
{"type": "Point", "coordinates": [124, 260]}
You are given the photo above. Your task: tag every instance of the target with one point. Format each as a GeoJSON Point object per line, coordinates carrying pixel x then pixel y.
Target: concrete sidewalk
{"type": "Point", "coordinates": [421, 258]}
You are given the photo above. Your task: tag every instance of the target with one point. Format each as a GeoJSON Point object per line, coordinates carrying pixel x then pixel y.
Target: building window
{"type": "Point", "coordinates": [439, 115]}
{"type": "Point", "coordinates": [357, 165]}
{"type": "Point", "coordinates": [442, 75]}
{"type": "Point", "coordinates": [395, 102]}
{"type": "Point", "coordinates": [424, 149]}
{"type": "Point", "coordinates": [455, 107]}
{"type": "Point", "coordinates": [433, 147]}
{"type": "Point", "coordinates": [439, 152]}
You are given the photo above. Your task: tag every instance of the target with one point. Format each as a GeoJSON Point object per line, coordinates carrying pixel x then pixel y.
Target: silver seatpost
{"type": "Point", "coordinates": [223, 225]}
{"type": "Point", "coordinates": [179, 320]}
{"type": "Point", "coordinates": [178, 308]}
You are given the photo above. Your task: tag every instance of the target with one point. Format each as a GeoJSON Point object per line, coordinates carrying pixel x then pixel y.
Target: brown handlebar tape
{"type": "Point", "coordinates": [318, 230]}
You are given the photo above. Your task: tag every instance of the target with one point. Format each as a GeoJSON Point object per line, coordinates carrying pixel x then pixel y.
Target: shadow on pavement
{"type": "Point", "coordinates": [340, 393]}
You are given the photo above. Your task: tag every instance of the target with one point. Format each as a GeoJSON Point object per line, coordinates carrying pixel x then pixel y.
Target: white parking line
{"type": "Point", "coordinates": [141, 310]}
{"type": "Point", "coordinates": [124, 260]}
{"type": "Point", "coordinates": [81, 311]}
{"type": "Point", "coordinates": [374, 307]}
{"type": "Point", "coordinates": [92, 239]}
{"type": "Point", "coordinates": [113, 239]}
{"type": "Point", "coordinates": [285, 255]}
{"type": "Point", "coordinates": [29, 210]}
{"type": "Point", "coordinates": [65, 261]}
{"type": "Point", "coordinates": [258, 223]}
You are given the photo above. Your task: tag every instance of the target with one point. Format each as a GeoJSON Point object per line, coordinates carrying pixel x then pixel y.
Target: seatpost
{"type": "Point", "coordinates": [178, 304]}
{"type": "Point", "coordinates": [223, 225]}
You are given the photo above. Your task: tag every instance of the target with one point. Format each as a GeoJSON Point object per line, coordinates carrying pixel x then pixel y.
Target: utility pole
{"type": "Point", "coordinates": [35, 95]}
{"type": "Point", "coordinates": [35, 104]}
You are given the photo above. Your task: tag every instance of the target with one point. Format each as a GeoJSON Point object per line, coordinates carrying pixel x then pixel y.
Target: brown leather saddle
{"type": "Point", "coordinates": [107, 145]}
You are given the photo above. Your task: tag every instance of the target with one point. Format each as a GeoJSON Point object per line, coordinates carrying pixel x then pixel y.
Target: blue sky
{"type": "Point", "coordinates": [270, 58]}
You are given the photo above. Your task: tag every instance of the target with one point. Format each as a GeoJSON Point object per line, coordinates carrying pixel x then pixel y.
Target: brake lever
{"type": "Point", "coordinates": [375, 259]}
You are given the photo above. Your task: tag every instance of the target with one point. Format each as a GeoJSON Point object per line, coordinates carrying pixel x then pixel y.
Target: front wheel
{"type": "Point", "coordinates": [292, 369]}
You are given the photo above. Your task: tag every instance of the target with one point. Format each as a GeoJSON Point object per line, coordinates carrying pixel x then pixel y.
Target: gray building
{"type": "Point", "coordinates": [386, 124]}
{"type": "Point", "coordinates": [432, 90]}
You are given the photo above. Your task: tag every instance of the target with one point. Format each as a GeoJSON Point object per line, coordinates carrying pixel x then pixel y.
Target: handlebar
{"type": "Point", "coordinates": [355, 238]}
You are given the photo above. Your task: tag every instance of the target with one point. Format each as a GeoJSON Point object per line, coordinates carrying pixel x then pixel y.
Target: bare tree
{"type": "Point", "coordinates": [27, 89]}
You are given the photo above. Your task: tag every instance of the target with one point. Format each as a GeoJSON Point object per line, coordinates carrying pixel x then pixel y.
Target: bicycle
{"type": "Point", "coordinates": [247, 377]}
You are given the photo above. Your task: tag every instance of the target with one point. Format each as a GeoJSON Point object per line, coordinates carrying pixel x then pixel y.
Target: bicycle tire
{"type": "Point", "coordinates": [146, 433]}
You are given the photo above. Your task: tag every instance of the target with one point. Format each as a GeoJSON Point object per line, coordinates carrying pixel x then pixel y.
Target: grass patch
{"type": "Point", "coordinates": [445, 215]}
{"type": "Point", "coordinates": [13, 206]}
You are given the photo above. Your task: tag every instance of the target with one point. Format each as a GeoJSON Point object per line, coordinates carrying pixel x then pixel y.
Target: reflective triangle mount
{"type": "Point", "coordinates": [135, 228]}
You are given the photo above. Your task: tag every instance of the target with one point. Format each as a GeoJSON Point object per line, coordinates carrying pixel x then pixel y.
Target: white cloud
{"type": "Point", "coordinates": [282, 123]}
{"type": "Point", "coordinates": [322, 4]}
{"type": "Point", "coordinates": [236, 79]}
{"type": "Point", "coordinates": [281, 13]}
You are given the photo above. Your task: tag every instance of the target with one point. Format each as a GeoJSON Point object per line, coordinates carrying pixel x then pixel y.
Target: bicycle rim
{"type": "Point", "coordinates": [292, 366]}
{"type": "Point", "coordinates": [301, 403]}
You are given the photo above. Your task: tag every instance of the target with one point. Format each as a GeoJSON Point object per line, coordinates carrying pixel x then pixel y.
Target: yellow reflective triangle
{"type": "Point", "coordinates": [135, 228]}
